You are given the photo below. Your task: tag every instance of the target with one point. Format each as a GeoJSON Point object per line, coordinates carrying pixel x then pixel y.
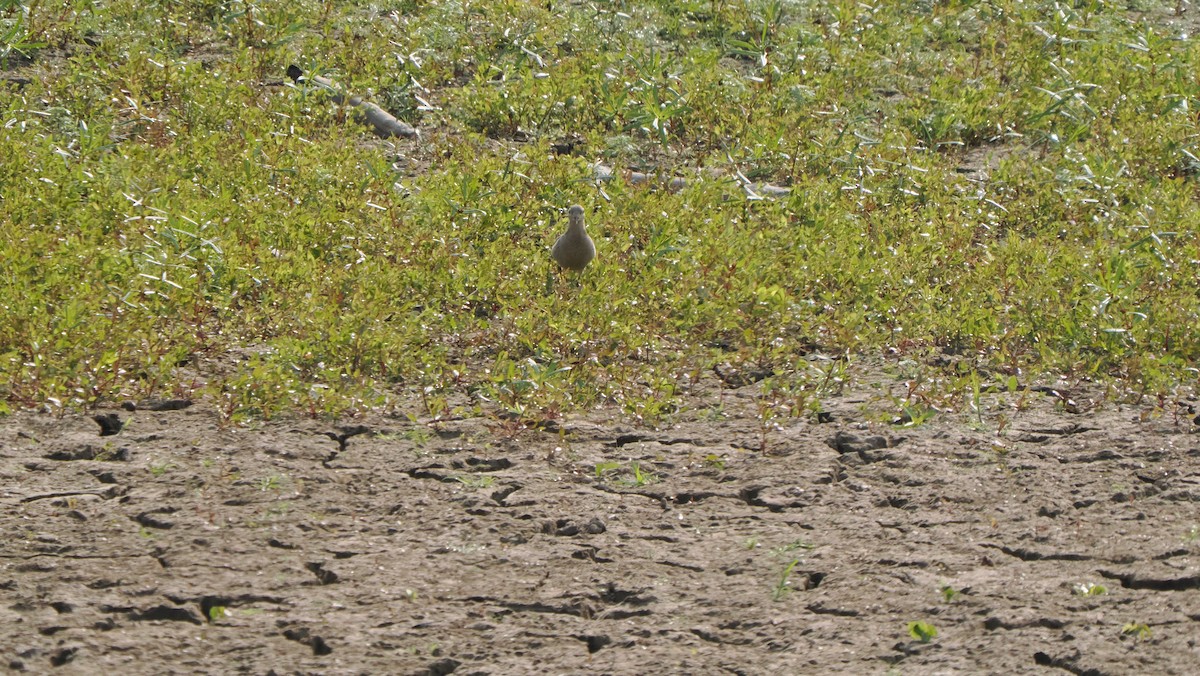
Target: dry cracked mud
{"type": "Point", "coordinates": [176, 544]}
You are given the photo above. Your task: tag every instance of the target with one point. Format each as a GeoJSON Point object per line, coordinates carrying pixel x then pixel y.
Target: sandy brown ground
{"type": "Point", "coordinates": [472, 547]}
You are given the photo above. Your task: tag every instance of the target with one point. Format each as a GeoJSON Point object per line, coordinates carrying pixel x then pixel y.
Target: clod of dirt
{"type": "Point", "coordinates": [751, 495]}
{"type": "Point", "coordinates": [324, 575]}
{"type": "Point", "coordinates": [441, 667]}
{"type": "Point", "coordinates": [149, 520]}
{"type": "Point", "coordinates": [612, 594]}
{"type": "Point", "coordinates": [594, 526]}
{"type": "Point", "coordinates": [589, 554]}
{"type": "Point", "coordinates": [165, 612]}
{"type": "Point", "coordinates": [89, 452]}
{"type": "Point", "coordinates": [302, 635]}
{"type": "Point", "coordinates": [104, 476]}
{"type": "Point", "coordinates": [857, 451]}
{"type": "Point", "coordinates": [110, 424]}
{"type": "Point", "coordinates": [501, 494]}
{"type": "Point", "coordinates": [425, 473]}
{"type": "Point", "coordinates": [595, 643]}
{"type": "Point", "coordinates": [320, 647]}
{"type": "Point", "coordinates": [566, 527]}
{"type": "Point", "coordinates": [63, 656]}
{"type": "Point", "coordinates": [706, 635]}
{"type": "Point", "coordinates": [688, 498]}
{"type": "Point", "coordinates": [844, 442]}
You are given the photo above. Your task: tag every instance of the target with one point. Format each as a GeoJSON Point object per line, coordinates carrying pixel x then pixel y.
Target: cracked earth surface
{"type": "Point", "coordinates": [471, 546]}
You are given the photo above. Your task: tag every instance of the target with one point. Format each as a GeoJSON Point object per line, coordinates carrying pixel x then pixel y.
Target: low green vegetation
{"type": "Point", "coordinates": [922, 631]}
{"type": "Point", "coordinates": [632, 475]}
{"type": "Point", "coordinates": [476, 482]}
{"type": "Point", "coordinates": [784, 584]}
{"type": "Point", "coordinates": [949, 594]}
{"type": "Point", "coordinates": [1138, 630]}
{"type": "Point", "coordinates": [1009, 183]}
{"type": "Point", "coordinates": [1089, 589]}
{"type": "Point", "coordinates": [639, 477]}
{"type": "Point", "coordinates": [794, 545]}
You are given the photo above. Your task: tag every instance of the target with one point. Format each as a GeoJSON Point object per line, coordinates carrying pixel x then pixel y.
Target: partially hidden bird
{"type": "Point", "coordinates": [574, 249]}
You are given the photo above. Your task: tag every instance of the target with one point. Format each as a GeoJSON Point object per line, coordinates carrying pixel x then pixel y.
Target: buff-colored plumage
{"type": "Point", "coordinates": [574, 249]}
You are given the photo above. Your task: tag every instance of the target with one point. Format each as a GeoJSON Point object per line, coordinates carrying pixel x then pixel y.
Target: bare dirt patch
{"type": "Point", "coordinates": [471, 547]}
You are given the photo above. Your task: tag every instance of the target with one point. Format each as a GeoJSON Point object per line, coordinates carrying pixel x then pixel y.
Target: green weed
{"type": "Point", "coordinates": [603, 468]}
{"type": "Point", "coordinates": [639, 477]}
{"type": "Point", "coordinates": [791, 547]}
{"type": "Point", "coordinates": [1089, 589]}
{"type": "Point", "coordinates": [477, 482]}
{"type": "Point", "coordinates": [1011, 184]}
{"type": "Point", "coordinates": [1138, 630]}
{"type": "Point", "coordinates": [784, 584]}
{"type": "Point", "coordinates": [922, 631]}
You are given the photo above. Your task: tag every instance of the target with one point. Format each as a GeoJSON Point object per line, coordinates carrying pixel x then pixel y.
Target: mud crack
{"type": "Point", "coordinates": [1028, 555]}
{"type": "Point", "coordinates": [1135, 581]}
{"type": "Point", "coordinates": [1066, 664]}
{"type": "Point", "coordinates": [626, 439]}
{"type": "Point", "coordinates": [342, 437]}
{"type": "Point", "coordinates": [303, 635]}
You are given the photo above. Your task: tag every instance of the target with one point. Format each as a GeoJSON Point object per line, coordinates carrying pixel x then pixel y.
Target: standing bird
{"type": "Point", "coordinates": [574, 249]}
